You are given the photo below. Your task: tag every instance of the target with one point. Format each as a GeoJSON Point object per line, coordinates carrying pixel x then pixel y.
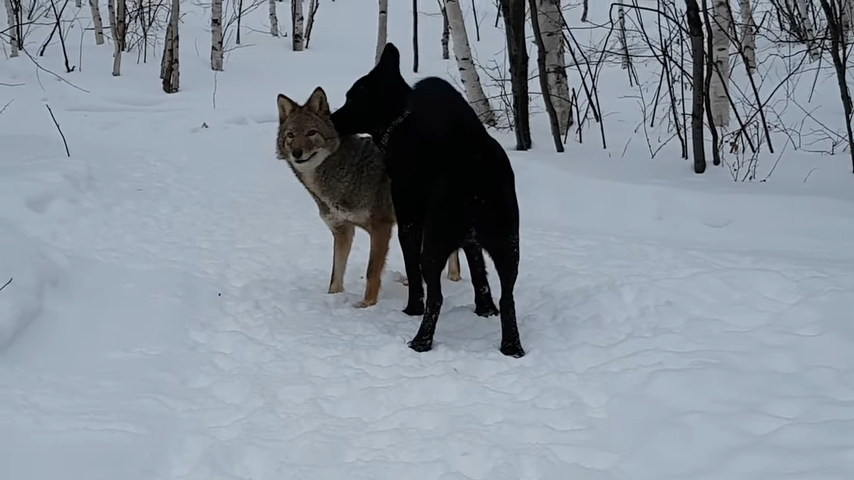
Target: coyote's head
{"type": "Point", "coordinates": [306, 134]}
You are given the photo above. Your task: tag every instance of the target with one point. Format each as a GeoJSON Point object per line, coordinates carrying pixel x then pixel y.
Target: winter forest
{"type": "Point", "coordinates": [686, 283]}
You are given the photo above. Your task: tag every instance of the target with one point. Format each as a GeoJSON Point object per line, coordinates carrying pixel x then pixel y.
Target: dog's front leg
{"type": "Point", "coordinates": [380, 236]}
{"type": "Point", "coordinates": [409, 234]}
{"type": "Point", "coordinates": [343, 241]}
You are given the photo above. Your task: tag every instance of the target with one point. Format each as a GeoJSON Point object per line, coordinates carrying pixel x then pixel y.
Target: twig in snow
{"type": "Point", "coordinates": [6, 106]}
{"type": "Point", "coordinates": [6, 284]}
{"type": "Point", "coordinates": [67, 152]}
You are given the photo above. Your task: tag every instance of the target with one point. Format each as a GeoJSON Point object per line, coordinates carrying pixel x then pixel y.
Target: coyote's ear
{"type": "Point", "coordinates": [317, 102]}
{"type": "Point", "coordinates": [389, 59]}
{"type": "Point", "coordinates": [286, 107]}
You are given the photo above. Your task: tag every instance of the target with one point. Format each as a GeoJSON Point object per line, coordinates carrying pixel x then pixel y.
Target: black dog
{"type": "Point", "coordinates": [452, 187]}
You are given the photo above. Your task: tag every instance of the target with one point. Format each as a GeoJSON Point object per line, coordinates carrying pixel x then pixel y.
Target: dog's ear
{"type": "Point", "coordinates": [318, 103]}
{"type": "Point", "coordinates": [286, 107]}
{"type": "Point", "coordinates": [390, 58]}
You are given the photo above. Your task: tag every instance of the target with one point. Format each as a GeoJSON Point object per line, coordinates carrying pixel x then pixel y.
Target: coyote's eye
{"type": "Point", "coordinates": [311, 132]}
{"type": "Point", "coordinates": [290, 134]}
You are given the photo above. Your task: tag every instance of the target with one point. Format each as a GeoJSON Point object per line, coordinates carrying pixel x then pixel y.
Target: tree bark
{"type": "Point", "coordinates": [415, 36]}
{"type": "Point", "coordinates": [446, 34]}
{"type": "Point", "coordinates": [171, 76]}
{"type": "Point", "coordinates": [468, 72]}
{"type": "Point", "coordinates": [382, 29]}
{"type": "Point", "coordinates": [216, 35]}
{"type": "Point", "coordinates": [695, 28]}
{"type": "Point", "coordinates": [274, 17]}
{"type": "Point", "coordinates": [12, 18]}
{"type": "Point", "coordinates": [720, 33]}
{"type": "Point", "coordinates": [97, 22]}
{"type": "Point", "coordinates": [748, 35]}
{"type": "Point", "coordinates": [837, 53]}
{"type": "Point", "coordinates": [118, 36]}
{"type": "Point", "coordinates": [544, 82]}
{"type": "Point", "coordinates": [550, 20]}
{"type": "Point", "coordinates": [297, 22]}
{"type": "Point", "coordinates": [513, 12]}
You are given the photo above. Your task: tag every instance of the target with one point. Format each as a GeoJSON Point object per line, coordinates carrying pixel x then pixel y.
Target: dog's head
{"type": "Point", "coordinates": [306, 133]}
{"type": "Point", "coordinates": [376, 99]}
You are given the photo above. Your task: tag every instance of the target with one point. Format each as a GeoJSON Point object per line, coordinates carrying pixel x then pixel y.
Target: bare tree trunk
{"type": "Point", "coordinates": [446, 34]}
{"type": "Point", "coordinates": [550, 22]}
{"type": "Point", "coordinates": [846, 15]}
{"type": "Point", "coordinates": [216, 34]}
{"type": "Point", "coordinates": [382, 28]}
{"type": "Point", "coordinates": [415, 36]}
{"type": "Point", "coordinates": [297, 21]}
{"type": "Point", "coordinates": [97, 22]}
{"type": "Point", "coordinates": [171, 77]}
{"type": "Point", "coordinates": [468, 72]}
{"type": "Point", "coordinates": [274, 18]}
{"type": "Point", "coordinates": [544, 81]}
{"type": "Point", "coordinates": [748, 35]}
{"type": "Point", "coordinates": [513, 12]}
{"type": "Point", "coordinates": [584, 10]}
{"type": "Point", "coordinates": [118, 34]}
{"type": "Point", "coordinates": [695, 27]}
{"type": "Point", "coordinates": [809, 29]}
{"type": "Point", "coordinates": [837, 53]}
{"type": "Point", "coordinates": [720, 33]}
{"type": "Point", "coordinates": [12, 19]}
{"type": "Point", "coordinates": [621, 36]}
{"type": "Point", "coordinates": [313, 5]}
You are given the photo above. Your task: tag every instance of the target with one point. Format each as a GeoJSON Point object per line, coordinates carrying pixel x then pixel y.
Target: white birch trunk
{"type": "Point", "coordinates": [117, 31]}
{"type": "Point", "coordinates": [96, 20]}
{"type": "Point", "coordinates": [446, 34]}
{"type": "Point", "coordinates": [468, 72]}
{"type": "Point", "coordinates": [721, 24]}
{"type": "Point", "coordinates": [551, 27]}
{"type": "Point", "coordinates": [274, 18]}
{"type": "Point", "coordinates": [621, 36]}
{"type": "Point", "coordinates": [809, 29]}
{"type": "Point", "coordinates": [382, 29]}
{"type": "Point", "coordinates": [13, 30]}
{"type": "Point", "coordinates": [846, 15]}
{"type": "Point", "coordinates": [297, 22]}
{"type": "Point", "coordinates": [748, 35]}
{"type": "Point", "coordinates": [216, 34]}
{"type": "Point", "coordinates": [170, 66]}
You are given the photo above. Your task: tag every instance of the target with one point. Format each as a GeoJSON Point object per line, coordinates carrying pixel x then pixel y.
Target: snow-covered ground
{"type": "Point", "coordinates": [167, 317]}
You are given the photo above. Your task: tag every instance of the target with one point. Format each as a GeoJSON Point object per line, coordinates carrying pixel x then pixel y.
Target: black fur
{"type": "Point", "coordinates": [452, 187]}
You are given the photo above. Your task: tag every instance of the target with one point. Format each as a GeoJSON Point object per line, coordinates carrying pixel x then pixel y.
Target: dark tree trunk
{"type": "Point", "coordinates": [837, 53]}
{"type": "Point", "coordinates": [695, 28]}
{"type": "Point", "coordinates": [513, 12]}
{"type": "Point", "coordinates": [415, 36]}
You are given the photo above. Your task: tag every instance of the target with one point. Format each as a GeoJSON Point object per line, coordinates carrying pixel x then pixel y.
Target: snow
{"type": "Point", "coordinates": [168, 316]}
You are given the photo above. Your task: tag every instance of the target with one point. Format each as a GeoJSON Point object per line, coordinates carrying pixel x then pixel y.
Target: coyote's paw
{"type": "Point", "coordinates": [365, 303]}
{"type": "Point", "coordinates": [335, 289]}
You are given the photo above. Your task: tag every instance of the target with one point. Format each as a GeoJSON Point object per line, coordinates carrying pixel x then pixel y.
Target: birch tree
{"type": "Point", "coordinates": [313, 5]}
{"type": "Point", "coordinates": [297, 23]}
{"type": "Point", "coordinates": [809, 29]}
{"type": "Point", "coordinates": [170, 66]}
{"type": "Point", "coordinates": [465, 64]}
{"type": "Point", "coordinates": [12, 19]}
{"type": "Point", "coordinates": [118, 31]}
{"type": "Point", "coordinates": [96, 21]}
{"type": "Point", "coordinates": [446, 34]}
{"type": "Point", "coordinates": [720, 28]}
{"type": "Point", "coordinates": [550, 20]}
{"type": "Point", "coordinates": [382, 29]}
{"type": "Point", "coordinates": [748, 35]}
{"type": "Point", "coordinates": [274, 18]}
{"type": "Point", "coordinates": [216, 35]}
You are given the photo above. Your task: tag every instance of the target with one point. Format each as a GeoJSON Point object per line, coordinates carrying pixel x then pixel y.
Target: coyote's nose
{"type": "Point", "coordinates": [297, 153]}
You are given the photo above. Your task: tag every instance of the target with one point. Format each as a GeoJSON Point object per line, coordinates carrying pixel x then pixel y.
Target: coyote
{"type": "Point", "coordinates": [347, 178]}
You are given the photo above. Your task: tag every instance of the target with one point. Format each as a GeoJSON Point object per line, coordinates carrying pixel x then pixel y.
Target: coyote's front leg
{"type": "Point", "coordinates": [380, 238]}
{"type": "Point", "coordinates": [343, 240]}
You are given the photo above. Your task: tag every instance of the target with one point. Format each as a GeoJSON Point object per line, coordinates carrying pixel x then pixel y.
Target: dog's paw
{"type": "Point", "coordinates": [421, 345]}
{"type": "Point", "coordinates": [365, 303]}
{"type": "Point", "coordinates": [414, 309]}
{"type": "Point", "coordinates": [485, 309]}
{"type": "Point", "coordinates": [512, 349]}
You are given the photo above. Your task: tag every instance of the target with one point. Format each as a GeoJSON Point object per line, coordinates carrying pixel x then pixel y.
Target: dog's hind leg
{"type": "Point", "coordinates": [380, 237]}
{"type": "Point", "coordinates": [433, 257]}
{"type": "Point", "coordinates": [484, 306]}
{"type": "Point", "coordinates": [454, 267]}
{"type": "Point", "coordinates": [343, 241]}
{"type": "Point", "coordinates": [410, 234]}
{"type": "Point", "coordinates": [505, 256]}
